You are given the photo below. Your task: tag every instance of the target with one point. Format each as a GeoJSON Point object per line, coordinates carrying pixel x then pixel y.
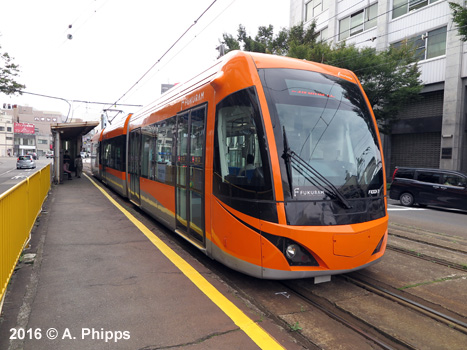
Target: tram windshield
{"type": "Point", "coordinates": [325, 135]}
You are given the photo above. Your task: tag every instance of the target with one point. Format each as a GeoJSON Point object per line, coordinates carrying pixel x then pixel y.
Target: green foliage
{"type": "Point", "coordinates": [459, 17]}
{"type": "Point", "coordinates": [8, 72]}
{"type": "Point", "coordinates": [295, 327]}
{"type": "Point", "coordinates": [391, 78]}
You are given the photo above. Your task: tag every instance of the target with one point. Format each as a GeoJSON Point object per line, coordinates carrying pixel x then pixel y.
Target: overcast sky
{"type": "Point", "coordinates": [114, 43]}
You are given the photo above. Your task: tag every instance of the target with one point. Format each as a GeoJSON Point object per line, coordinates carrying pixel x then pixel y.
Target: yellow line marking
{"type": "Point", "coordinates": [263, 339]}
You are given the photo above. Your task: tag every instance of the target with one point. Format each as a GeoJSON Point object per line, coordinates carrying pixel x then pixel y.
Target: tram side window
{"type": "Point", "coordinates": [240, 162]}
{"type": "Point", "coordinates": [107, 159]}
{"type": "Point", "coordinates": [114, 155]}
{"type": "Point", "coordinates": [157, 158]}
{"type": "Point", "coordinates": [119, 154]}
{"type": "Point", "coordinates": [164, 164]}
{"type": "Point", "coordinates": [148, 159]}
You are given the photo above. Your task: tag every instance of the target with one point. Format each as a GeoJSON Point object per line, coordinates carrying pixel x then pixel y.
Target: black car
{"type": "Point", "coordinates": [436, 187]}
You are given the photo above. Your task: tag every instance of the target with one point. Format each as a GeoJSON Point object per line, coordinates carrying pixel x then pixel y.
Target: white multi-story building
{"type": "Point", "coordinates": [24, 129]}
{"type": "Point", "coordinates": [6, 134]}
{"type": "Point", "coordinates": [433, 131]}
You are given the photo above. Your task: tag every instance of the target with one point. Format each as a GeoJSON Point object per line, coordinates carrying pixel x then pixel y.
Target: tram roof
{"type": "Point", "coordinates": [260, 60]}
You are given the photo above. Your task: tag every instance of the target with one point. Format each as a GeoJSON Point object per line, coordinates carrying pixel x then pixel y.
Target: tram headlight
{"type": "Point", "coordinates": [292, 251]}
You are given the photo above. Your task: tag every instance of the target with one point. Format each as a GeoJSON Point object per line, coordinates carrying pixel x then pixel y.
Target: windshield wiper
{"type": "Point", "coordinates": [286, 155]}
{"type": "Point", "coordinates": [312, 175]}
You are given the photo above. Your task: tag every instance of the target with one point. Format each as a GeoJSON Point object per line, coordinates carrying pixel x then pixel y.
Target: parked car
{"type": "Point", "coordinates": [49, 154]}
{"type": "Point", "coordinates": [436, 187]}
{"type": "Point", "coordinates": [25, 162]}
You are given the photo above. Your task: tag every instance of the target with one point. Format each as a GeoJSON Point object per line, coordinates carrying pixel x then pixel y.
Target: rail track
{"type": "Point", "coordinates": [427, 245]}
{"type": "Point", "coordinates": [379, 333]}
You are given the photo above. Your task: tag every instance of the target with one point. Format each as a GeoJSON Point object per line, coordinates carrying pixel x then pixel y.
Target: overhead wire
{"type": "Point", "coordinates": [166, 52]}
{"type": "Point", "coordinates": [68, 101]}
{"type": "Point", "coordinates": [383, 35]}
{"type": "Point", "coordinates": [347, 59]}
{"type": "Point", "coordinates": [186, 45]}
{"type": "Point", "coordinates": [379, 15]}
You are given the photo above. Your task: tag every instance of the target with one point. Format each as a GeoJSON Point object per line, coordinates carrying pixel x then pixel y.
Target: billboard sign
{"type": "Point", "coordinates": [24, 128]}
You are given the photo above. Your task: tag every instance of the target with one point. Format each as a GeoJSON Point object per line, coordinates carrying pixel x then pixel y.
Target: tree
{"type": "Point", "coordinates": [296, 39]}
{"type": "Point", "coordinates": [459, 17]}
{"type": "Point", "coordinates": [391, 78]}
{"type": "Point", "coordinates": [8, 72]}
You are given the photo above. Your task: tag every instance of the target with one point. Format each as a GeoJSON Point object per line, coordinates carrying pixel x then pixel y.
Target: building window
{"type": "Point", "coordinates": [2, 128]}
{"type": "Point", "coordinates": [401, 7]}
{"type": "Point", "coordinates": [323, 35]}
{"type": "Point", "coordinates": [8, 128]}
{"type": "Point", "coordinates": [436, 43]}
{"type": "Point", "coordinates": [358, 22]}
{"type": "Point", "coordinates": [427, 45]}
{"type": "Point", "coordinates": [314, 8]}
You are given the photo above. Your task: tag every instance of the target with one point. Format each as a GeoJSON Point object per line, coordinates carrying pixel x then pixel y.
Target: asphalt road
{"type": "Point", "coordinates": [10, 176]}
{"type": "Point", "coordinates": [445, 221]}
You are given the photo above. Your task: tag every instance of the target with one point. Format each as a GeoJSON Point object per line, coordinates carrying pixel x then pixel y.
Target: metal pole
{"type": "Point", "coordinates": [57, 167]}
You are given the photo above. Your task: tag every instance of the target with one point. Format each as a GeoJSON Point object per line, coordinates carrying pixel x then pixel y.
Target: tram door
{"type": "Point", "coordinates": [134, 165]}
{"type": "Point", "coordinates": [189, 195]}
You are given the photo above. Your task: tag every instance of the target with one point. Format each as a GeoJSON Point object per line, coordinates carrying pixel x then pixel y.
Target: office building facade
{"type": "Point", "coordinates": [433, 131]}
{"type": "Point", "coordinates": [24, 129]}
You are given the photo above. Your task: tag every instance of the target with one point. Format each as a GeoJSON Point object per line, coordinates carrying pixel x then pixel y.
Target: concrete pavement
{"type": "Point", "coordinates": [97, 282]}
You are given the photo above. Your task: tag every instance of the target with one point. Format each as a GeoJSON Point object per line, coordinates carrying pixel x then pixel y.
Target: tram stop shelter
{"type": "Point", "coordinates": [68, 137]}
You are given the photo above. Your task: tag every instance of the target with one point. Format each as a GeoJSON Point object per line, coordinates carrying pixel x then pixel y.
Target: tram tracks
{"type": "Point", "coordinates": [431, 246]}
{"type": "Point", "coordinates": [370, 333]}
{"type": "Point", "coordinates": [366, 313]}
{"type": "Point", "coordinates": [378, 333]}
{"type": "Point", "coordinates": [419, 306]}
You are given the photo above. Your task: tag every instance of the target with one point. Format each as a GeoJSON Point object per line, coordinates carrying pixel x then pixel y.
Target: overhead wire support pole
{"type": "Point", "coordinates": [80, 101]}
{"type": "Point", "coordinates": [57, 98]}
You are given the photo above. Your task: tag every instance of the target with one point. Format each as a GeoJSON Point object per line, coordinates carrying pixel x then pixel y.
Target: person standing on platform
{"type": "Point", "coordinates": [78, 166]}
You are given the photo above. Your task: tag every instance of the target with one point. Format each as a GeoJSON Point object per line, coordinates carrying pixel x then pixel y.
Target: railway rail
{"type": "Point", "coordinates": [427, 245]}
{"type": "Point", "coordinates": [368, 332]}
{"type": "Point", "coordinates": [452, 322]}
{"type": "Point", "coordinates": [374, 332]}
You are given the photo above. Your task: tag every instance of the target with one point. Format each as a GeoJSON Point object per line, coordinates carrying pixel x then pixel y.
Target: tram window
{"type": "Point", "coordinates": [113, 153]}
{"type": "Point", "coordinates": [119, 155]}
{"type": "Point", "coordinates": [328, 126]}
{"type": "Point", "coordinates": [148, 159]}
{"type": "Point", "coordinates": [157, 142]}
{"type": "Point", "coordinates": [164, 166]}
{"type": "Point", "coordinates": [107, 154]}
{"type": "Point", "coordinates": [241, 162]}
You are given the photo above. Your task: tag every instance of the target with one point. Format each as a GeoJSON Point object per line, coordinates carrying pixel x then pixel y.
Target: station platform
{"type": "Point", "coordinates": [106, 277]}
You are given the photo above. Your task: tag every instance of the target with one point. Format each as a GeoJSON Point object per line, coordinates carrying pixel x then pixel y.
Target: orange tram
{"type": "Point", "coordinates": [270, 165]}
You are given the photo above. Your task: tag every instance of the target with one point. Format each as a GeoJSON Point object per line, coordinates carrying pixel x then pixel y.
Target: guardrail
{"type": "Point", "coordinates": [19, 208]}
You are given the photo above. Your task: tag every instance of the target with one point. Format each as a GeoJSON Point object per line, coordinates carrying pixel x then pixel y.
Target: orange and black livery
{"type": "Point", "coordinates": [271, 165]}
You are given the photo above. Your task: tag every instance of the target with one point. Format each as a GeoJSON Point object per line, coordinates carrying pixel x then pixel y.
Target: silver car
{"type": "Point", "coordinates": [25, 162]}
